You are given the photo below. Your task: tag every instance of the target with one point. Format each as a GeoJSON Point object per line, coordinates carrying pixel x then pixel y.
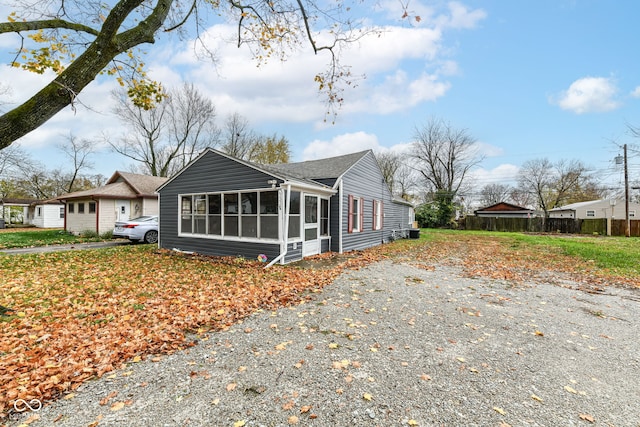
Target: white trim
{"type": "Point", "coordinates": [340, 210]}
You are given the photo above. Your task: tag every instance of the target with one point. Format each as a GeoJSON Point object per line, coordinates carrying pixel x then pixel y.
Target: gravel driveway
{"type": "Point", "coordinates": [392, 344]}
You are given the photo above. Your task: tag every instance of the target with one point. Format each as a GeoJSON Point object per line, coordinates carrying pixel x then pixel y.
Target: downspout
{"type": "Point", "coordinates": [97, 215]}
{"type": "Point", "coordinates": [287, 207]}
{"type": "Point", "coordinates": [66, 212]}
{"type": "Point", "coordinates": [340, 210]}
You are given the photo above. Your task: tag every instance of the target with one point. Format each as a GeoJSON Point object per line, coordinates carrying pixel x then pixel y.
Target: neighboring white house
{"type": "Point", "coordinates": [605, 208]}
{"type": "Point", "coordinates": [47, 214]}
{"type": "Point", "coordinates": [124, 196]}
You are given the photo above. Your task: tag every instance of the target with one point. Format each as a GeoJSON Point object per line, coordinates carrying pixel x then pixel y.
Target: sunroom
{"type": "Point", "coordinates": [282, 223]}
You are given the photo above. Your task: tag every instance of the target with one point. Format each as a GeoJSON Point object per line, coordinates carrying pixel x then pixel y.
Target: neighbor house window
{"type": "Point", "coordinates": [80, 208]}
{"type": "Point", "coordinates": [377, 215]}
{"type": "Point", "coordinates": [244, 214]}
{"type": "Point", "coordinates": [71, 207]}
{"type": "Point", "coordinates": [92, 207]}
{"type": "Point", "coordinates": [591, 213]}
{"type": "Point", "coordinates": [355, 214]}
{"type": "Point", "coordinates": [61, 213]}
{"type": "Point", "coordinates": [38, 211]}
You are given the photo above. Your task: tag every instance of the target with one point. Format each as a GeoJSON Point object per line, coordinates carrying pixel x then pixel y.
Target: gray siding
{"type": "Point", "coordinates": [324, 245]}
{"type": "Point", "coordinates": [334, 222]}
{"type": "Point", "coordinates": [396, 220]}
{"type": "Point", "coordinates": [364, 180]}
{"type": "Point", "coordinates": [293, 254]}
{"type": "Point", "coordinates": [203, 176]}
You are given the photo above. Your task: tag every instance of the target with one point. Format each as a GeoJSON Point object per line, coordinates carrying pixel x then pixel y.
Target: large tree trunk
{"type": "Point", "coordinates": [63, 90]}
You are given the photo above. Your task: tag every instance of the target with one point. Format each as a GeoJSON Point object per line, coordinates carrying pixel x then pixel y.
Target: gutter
{"type": "Point", "coordinates": [286, 227]}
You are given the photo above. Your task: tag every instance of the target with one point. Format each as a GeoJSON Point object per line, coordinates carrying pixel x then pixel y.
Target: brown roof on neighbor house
{"type": "Point", "coordinates": [16, 201]}
{"type": "Point", "coordinates": [144, 185]}
{"type": "Point", "coordinates": [502, 207]}
{"type": "Point", "coordinates": [122, 185]}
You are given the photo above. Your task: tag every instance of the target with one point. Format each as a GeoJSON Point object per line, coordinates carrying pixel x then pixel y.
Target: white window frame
{"type": "Point", "coordinates": [356, 227]}
{"type": "Point", "coordinates": [204, 198]}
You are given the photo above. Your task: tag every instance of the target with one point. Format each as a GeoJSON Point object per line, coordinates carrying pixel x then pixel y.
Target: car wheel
{"type": "Point", "coordinates": [151, 236]}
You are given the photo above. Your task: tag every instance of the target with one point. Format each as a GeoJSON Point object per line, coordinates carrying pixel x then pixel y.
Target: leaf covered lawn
{"type": "Point", "coordinates": [77, 315]}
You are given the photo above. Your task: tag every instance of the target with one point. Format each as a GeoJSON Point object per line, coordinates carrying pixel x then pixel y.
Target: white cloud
{"type": "Point", "coordinates": [488, 150]}
{"type": "Point", "coordinates": [589, 95]}
{"type": "Point", "coordinates": [502, 174]}
{"type": "Point", "coordinates": [341, 144]}
{"type": "Point", "coordinates": [636, 92]}
{"type": "Point", "coordinates": [462, 17]}
{"type": "Point", "coordinates": [455, 15]}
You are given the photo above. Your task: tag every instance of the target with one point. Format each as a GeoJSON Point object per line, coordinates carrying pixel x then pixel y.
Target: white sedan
{"type": "Point", "coordinates": [141, 229]}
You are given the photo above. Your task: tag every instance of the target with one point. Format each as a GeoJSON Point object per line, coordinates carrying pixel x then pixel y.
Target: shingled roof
{"type": "Point", "coordinates": [121, 185]}
{"type": "Point", "coordinates": [330, 168]}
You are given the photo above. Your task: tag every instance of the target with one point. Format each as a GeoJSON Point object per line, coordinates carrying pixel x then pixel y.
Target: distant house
{"type": "Point", "coordinates": [505, 210]}
{"type": "Point", "coordinates": [16, 211]}
{"type": "Point", "coordinates": [124, 196]}
{"type": "Point", "coordinates": [605, 208]}
{"type": "Point", "coordinates": [47, 213]}
{"type": "Point", "coordinates": [221, 205]}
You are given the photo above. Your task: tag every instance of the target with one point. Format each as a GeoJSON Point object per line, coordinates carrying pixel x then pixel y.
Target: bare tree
{"type": "Point", "coordinates": [164, 139]}
{"type": "Point", "coordinates": [400, 177]}
{"type": "Point", "coordinates": [444, 156]}
{"type": "Point", "coordinates": [238, 139]}
{"type": "Point", "coordinates": [11, 159]}
{"type": "Point", "coordinates": [522, 197]}
{"type": "Point", "coordinates": [495, 193]}
{"type": "Point", "coordinates": [556, 184]}
{"type": "Point", "coordinates": [390, 164]}
{"type": "Point", "coordinates": [78, 151]}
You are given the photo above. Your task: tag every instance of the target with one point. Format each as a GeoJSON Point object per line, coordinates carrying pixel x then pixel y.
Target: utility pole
{"type": "Point", "coordinates": [627, 231]}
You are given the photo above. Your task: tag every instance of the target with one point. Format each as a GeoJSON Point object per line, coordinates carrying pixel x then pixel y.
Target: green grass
{"type": "Point", "coordinates": [39, 237]}
{"type": "Point", "coordinates": [619, 255]}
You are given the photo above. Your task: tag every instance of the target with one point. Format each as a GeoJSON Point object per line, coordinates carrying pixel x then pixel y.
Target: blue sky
{"type": "Point", "coordinates": [528, 79]}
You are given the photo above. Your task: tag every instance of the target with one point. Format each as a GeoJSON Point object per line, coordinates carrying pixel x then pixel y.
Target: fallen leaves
{"type": "Point", "coordinates": [81, 314]}
{"type": "Point", "coordinates": [587, 417]}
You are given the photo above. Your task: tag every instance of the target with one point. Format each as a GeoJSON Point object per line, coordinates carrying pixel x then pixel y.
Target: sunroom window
{"type": "Point", "coordinates": [238, 214]}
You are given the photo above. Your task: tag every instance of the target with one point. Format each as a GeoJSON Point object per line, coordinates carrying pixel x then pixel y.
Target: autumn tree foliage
{"type": "Point", "coordinates": [239, 140]}
{"type": "Point", "coordinates": [79, 40]}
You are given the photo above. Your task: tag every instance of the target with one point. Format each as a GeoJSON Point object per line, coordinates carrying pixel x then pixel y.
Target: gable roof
{"type": "Point", "coordinates": [504, 207]}
{"type": "Point", "coordinates": [332, 167]}
{"type": "Point", "coordinates": [121, 185]}
{"type": "Point", "coordinates": [305, 172]}
{"type": "Point", "coordinates": [143, 185]}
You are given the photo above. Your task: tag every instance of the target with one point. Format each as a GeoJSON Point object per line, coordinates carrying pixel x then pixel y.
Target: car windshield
{"type": "Point", "coordinates": [145, 219]}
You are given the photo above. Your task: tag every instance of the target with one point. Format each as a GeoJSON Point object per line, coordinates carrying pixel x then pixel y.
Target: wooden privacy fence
{"type": "Point", "coordinates": [544, 225]}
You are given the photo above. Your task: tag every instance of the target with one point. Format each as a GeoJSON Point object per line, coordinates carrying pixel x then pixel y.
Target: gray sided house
{"type": "Point", "coordinates": [220, 205]}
